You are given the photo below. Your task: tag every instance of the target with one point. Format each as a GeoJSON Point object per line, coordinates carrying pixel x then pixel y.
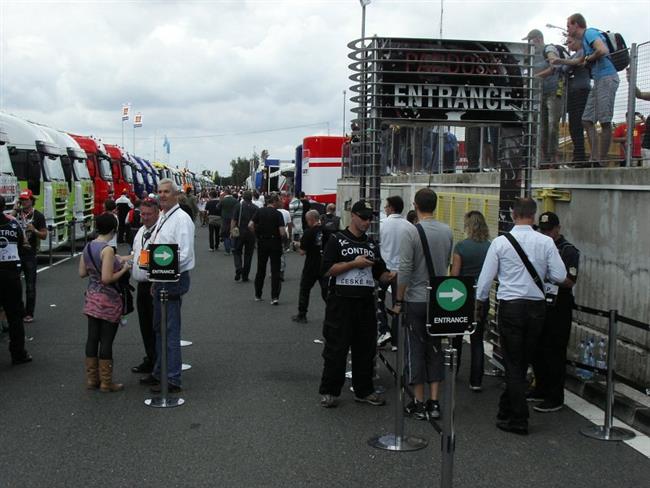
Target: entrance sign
{"type": "Point", "coordinates": [163, 262]}
{"type": "Point", "coordinates": [451, 306]}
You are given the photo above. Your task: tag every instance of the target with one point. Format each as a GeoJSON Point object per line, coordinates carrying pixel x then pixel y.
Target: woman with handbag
{"type": "Point", "coordinates": [103, 303]}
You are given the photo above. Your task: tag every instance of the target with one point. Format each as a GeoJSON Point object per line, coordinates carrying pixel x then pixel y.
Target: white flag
{"type": "Point", "coordinates": [126, 110]}
{"type": "Point", "coordinates": [137, 120]}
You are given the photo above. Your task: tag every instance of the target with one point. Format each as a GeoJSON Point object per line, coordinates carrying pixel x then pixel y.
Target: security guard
{"type": "Point", "coordinates": [12, 240]}
{"type": "Point", "coordinates": [549, 363]}
{"type": "Point", "coordinates": [352, 262]}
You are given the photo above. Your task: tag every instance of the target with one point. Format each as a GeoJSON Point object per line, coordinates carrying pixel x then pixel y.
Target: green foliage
{"type": "Point", "coordinates": [240, 170]}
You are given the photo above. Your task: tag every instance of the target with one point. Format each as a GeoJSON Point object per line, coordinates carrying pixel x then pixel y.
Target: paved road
{"type": "Point", "coordinates": [252, 416]}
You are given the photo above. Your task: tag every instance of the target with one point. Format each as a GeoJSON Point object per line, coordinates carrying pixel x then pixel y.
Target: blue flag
{"type": "Point", "coordinates": [167, 145]}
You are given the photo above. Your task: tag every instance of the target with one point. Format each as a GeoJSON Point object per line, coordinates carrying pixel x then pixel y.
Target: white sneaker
{"type": "Point", "coordinates": [383, 339]}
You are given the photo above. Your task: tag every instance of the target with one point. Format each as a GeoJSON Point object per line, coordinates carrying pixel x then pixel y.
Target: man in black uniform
{"type": "Point", "coordinates": [352, 263]}
{"type": "Point", "coordinates": [311, 246]}
{"type": "Point", "coordinates": [244, 244]}
{"type": "Point", "coordinates": [268, 226]}
{"type": "Point", "coordinates": [549, 363]}
{"type": "Point", "coordinates": [12, 241]}
{"type": "Point", "coordinates": [33, 224]}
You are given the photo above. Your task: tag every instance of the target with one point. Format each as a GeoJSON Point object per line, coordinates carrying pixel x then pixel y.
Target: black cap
{"type": "Point", "coordinates": [548, 221]}
{"type": "Point", "coordinates": [363, 209]}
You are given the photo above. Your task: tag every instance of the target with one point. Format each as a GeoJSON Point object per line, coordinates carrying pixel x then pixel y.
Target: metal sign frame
{"type": "Point", "coordinates": [451, 317]}
{"type": "Point", "coordinates": [164, 272]}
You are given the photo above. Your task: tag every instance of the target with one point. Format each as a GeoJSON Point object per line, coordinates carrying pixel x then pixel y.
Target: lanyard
{"type": "Point", "coordinates": [146, 235]}
{"type": "Point", "coordinates": [164, 219]}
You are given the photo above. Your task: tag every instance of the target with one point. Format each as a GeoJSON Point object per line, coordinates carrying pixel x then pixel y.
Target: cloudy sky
{"type": "Point", "coordinates": [222, 78]}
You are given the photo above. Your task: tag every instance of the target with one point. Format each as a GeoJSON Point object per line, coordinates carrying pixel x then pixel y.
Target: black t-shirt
{"type": "Point", "coordinates": [312, 243]}
{"type": "Point", "coordinates": [343, 247]}
{"type": "Point", "coordinates": [268, 221]}
{"type": "Point", "coordinates": [37, 219]}
{"type": "Point", "coordinates": [571, 258]}
{"type": "Point", "coordinates": [212, 207]}
{"type": "Point", "coordinates": [247, 210]}
{"type": "Point", "coordinates": [330, 224]}
{"type": "Point", "coordinates": [306, 206]}
{"type": "Point", "coordinates": [11, 243]}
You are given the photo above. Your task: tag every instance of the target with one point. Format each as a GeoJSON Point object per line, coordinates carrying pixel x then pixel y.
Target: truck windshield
{"type": "Point", "coordinates": [138, 178]}
{"type": "Point", "coordinates": [81, 169]}
{"type": "Point", "coordinates": [149, 180]}
{"type": "Point", "coordinates": [127, 172]}
{"type": "Point", "coordinates": [5, 162]}
{"type": "Point", "coordinates": [105, 169]}
{"type": "Point", "coordinates": [53, 167]}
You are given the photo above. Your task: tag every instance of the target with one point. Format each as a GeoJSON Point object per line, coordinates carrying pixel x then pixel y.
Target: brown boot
{"type": "Point", "coordinates": [92, 374]}
{"type": "Point", "coordinates": [106, 376]}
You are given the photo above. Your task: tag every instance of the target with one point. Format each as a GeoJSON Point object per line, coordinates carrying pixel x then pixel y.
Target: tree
{"type": "Point", "coordinates": [241, 169]}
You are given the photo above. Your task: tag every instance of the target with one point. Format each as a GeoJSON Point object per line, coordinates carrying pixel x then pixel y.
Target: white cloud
{"type": "Point", "coordinates": [223, 67]}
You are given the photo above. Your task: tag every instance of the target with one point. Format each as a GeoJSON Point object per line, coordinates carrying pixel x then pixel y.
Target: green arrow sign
{"type": "Point", "coordinates": [451, 295]}
{"type": "Point", "coordinates": [163, 256]}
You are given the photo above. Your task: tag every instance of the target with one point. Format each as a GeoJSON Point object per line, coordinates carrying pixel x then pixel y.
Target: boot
{"type": "Point", "coordinates": [92, 374]}
{"type": "Point", "coordinates": [106, 376]}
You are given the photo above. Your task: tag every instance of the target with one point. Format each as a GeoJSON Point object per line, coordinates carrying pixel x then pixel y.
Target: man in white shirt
{"type": "Point", "coordinates": [174, 226]}
{"type": "Point", "coordinates": [522, 305]}
{"type": "Point", "coordinates": [149, 216]}
{"type": "Point", "coordinates": [391, 231]}
{"type": "Point", "coordinates": [285, 240]}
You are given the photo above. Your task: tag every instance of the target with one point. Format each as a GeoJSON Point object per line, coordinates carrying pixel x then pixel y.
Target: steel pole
{"type": "Point", "coordinates": [631, 105]}
{"type": "Point", "coordinates": [448, 435]}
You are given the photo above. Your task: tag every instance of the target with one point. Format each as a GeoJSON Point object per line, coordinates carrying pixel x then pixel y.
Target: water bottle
{"type": "Point", "coordinates": [602, 355]}
{"type": "Point", "coordinates": [582, 348]}
{"type": "Point", "coordinates": [589, 358]}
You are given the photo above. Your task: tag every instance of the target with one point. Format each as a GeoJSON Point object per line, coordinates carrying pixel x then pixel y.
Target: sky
{"type": "Point", "coordinates": [225, 78]}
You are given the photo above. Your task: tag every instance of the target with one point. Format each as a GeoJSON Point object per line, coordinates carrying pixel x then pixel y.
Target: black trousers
{"type": "Point", "coordinates": [268, 249]}
{"type": "Point", "coordinates": [122, 229]}
{"type": "Point", "coordinates": [307, 281]}
{"type": "Point", "coordinates": [29, 265]}
{"type": "Point", "coordinates": [520, 325]}
{"type": "Point", "coordinates": [214, 231]}
{"type": "Point", "coordinates": [11, 300]}
{"type": "Point", "coordinates": [477, 350]}
{"type": "Point", "coordinates": [101, 334]}
{"type": "Point", "coordinates": [577, 100]}
{"type": "Point", "coordinates": [549, 363]}
{"type": "Point", "coordinates": [350, 323]}
{"type": "Point", "coordinates": [244, 248]}
{"type": "Point", "coordinates": [145, 316]}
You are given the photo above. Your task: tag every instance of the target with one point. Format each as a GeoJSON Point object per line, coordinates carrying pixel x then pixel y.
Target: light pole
{"type": "Point", "coordinates": [362, 125]}
{"type": "Point", "coordinates": [344, 93]}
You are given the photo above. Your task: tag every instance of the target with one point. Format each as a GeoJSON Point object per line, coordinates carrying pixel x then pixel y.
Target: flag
{"type": "Point", "coordinates": [126, 109]}
{"type": "Point", "coordinates": [137, 120]}
{"type": "Point", "coordinates": [167, 145]}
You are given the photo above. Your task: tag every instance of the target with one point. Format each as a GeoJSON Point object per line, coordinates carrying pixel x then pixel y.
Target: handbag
{"type": "Point", "coordinates": [234, 232]}
{"type": "Point", "coordinates": [548, 289]}
{"type": "Point", "coordinates": [122, 286]}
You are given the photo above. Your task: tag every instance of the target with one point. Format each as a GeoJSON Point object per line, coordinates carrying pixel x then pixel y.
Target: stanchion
{"type": "Point", "coordinates": [162, 401]}
{"type": "Point", "coordinates": [448, 434]}
{"type": "Point", "coordinates": [86, 225]}
{"type": "Point", "coordinates": [607, 432]}
{"type": "Point", "coordinates": [73, 237]}
{"type": "Point", "coordinates": [49, 244]}
{"type": "Point", "coordinates": [186, 343]}
{"type": "Point", "coordinates": [397, 441]}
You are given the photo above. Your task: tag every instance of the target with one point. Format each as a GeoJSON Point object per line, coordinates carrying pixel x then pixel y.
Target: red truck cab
{"type": "Point", "coordinates": [122, 172]}
{"type": "Point", "coordinates": [99, 168]}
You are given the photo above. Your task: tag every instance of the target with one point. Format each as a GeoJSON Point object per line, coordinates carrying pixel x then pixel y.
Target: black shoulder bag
{"type": "Point", "coordinates": [430, 267]}
{"type": "Point", "coordinates": [550, 291]}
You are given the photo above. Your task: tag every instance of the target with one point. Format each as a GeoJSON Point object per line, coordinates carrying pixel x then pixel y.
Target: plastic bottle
{"type": "Point", "coordinates": [601, 360]}
{"type": "Point", "coordinates": [582, 348]}
{"type": "Point", "coordinates": [589, 358]}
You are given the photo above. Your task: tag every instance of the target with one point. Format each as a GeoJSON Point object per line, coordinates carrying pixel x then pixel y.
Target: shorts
{"type": "Point", "coordinates": [600, 103]}
{"type": "Point", "coordinates": [424, 358]}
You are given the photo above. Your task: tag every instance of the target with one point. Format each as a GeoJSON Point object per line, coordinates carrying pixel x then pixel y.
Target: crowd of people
{"type": "Point", "coordinates": [578, 78]}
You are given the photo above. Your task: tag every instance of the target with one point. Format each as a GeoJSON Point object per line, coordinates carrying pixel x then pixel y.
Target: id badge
{"type": "Point", "coordinates": [550, 292]}
{"type": "Point", "coordinates": [143, 260]}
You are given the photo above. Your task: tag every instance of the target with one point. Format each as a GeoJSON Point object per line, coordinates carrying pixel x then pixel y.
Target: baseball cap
{"type": "Point", "coordinates": [363, 209]}
{"type": "Point", "coordinates": [26, 195]}
{"type": "Point", "coordinates": [548, 220]}
{"type": "Point", "coordinates": [533, 34]}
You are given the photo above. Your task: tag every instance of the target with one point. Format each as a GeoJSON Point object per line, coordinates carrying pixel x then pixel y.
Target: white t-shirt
{"type": "Point", "coordinates": [287, 219]}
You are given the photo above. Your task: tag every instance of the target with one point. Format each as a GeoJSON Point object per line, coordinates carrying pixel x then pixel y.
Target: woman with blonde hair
{"type": "Point", "coordinates": [467, 260]}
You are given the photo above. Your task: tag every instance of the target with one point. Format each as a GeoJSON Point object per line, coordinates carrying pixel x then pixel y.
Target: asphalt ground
{"type": "Point", "coordinates": [252, 416]}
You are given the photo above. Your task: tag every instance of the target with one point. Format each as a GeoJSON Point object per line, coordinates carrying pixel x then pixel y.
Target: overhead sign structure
{"type": "Point", "coordinates": [451, 306]}
{"type": "Point", "coordinates": [163, 262]}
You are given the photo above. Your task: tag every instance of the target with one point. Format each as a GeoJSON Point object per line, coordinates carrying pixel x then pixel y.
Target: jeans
{"type": "Point", "coordinates": [225, 235]}
{"type": "Point", "coordinates": [549, 362]}
{"type": "Point", "coordinates": [268, 250]}
{"type": "Point", "coordinates": [176, 291]}
{"type": "Point", "coordinates": [244, 244]}
{"type": "Point", "coordinates": [307, 281]}
{"type": "Point", "coordinates": [11, 300]}
{"type": "Point", "coordinates": [145, 317]}
{"type": "Point", "coordinates": [550, 120]}
{"type": "Point", "coordinates": [350, 323]}
{"type": "Point", "coordinates": [576, 106]}
{"type": "Point", "coordinates": [520, 325]}
{"type": "Point", "coordinates": [28, 263]}
{"type": "Point", "coordinates": [213, 233]}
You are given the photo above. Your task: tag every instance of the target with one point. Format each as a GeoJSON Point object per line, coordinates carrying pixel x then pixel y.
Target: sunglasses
{"type": "Point", "coordinates": [363, 218]}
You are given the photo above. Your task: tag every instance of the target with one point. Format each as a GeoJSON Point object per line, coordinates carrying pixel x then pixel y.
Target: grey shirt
{"type": "Point", "coordinates": [413, 270]}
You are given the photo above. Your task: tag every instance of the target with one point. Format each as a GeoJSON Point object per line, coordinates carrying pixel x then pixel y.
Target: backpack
{"type": "Point", "coordinates": [562, 52]}
{"type": "Point", "coordinates": [618, 53]}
